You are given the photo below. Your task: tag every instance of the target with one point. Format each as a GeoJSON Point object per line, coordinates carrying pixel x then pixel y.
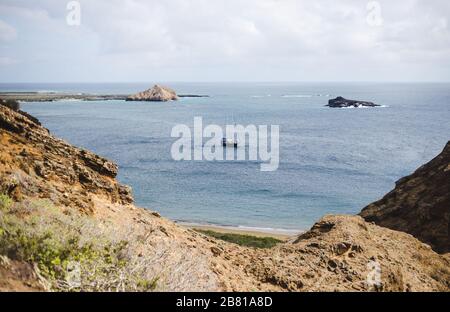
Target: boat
{"type": "Point", "coordinates": [229, 142]}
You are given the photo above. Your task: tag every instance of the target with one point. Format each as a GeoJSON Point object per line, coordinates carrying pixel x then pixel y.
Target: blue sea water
{"type": "Point", "coordinates": [332, 161]}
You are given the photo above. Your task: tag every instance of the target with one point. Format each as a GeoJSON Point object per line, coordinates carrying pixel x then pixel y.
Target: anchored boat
{"type": "Point", "coordinates": [229, 142]}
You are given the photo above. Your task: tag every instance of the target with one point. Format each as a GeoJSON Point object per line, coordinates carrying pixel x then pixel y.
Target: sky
{"type": "Point", "coordinates": [224, 40]}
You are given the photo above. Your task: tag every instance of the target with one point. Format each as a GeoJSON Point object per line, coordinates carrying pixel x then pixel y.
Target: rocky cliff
{"type": "Point", "coordinates": [34, 163]}
{"type": "Point", "coordinates": [419, 204]}
{"type": "Point", "coordinates": [155, 94]}
{"type": "Point", "coordinates": [61, 208]}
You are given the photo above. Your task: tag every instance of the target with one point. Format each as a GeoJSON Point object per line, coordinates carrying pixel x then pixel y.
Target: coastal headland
{"type": "Point", "coordinates": [62, 96]}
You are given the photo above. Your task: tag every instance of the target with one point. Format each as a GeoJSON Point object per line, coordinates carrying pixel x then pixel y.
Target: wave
{"type": "Point", "coordinates": [46, 91]}
{"type": "Point", "coordinates": [291, 96]}
{"type": "Point", "coordinates": [304, 95]}
{"type": "Point", "coordinates": [139, 140]}
{"type": "Point", "coordinates": [361, 106]}
{"type": "Point", "coordinates": [324, 95]}
{"type": "Point", "coordinates": [69, 100]}
{"type": "Point", "coordinates": [297, 96]}
{"type": "Point", "coordinates": [256, 192]}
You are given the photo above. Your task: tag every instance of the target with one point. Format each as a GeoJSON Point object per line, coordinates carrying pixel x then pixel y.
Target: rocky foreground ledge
{"type": "Point", "coordinates": [61, 205]}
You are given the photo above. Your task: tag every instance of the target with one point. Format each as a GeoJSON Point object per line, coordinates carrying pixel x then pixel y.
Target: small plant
{"type": "Point", "coordinates": [71, 250]}
{"type": "Point", "coordinates": [148, 285]}
{"type": "Point", "coordinates": [5, 202]}
{"type": "Point", "coordinates": [243, 240]}
{"type": "Point", "coordinates": [12, 104]}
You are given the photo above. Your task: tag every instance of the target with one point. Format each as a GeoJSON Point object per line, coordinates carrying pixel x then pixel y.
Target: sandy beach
{"type": "Point", "coordinates": [274, 233]}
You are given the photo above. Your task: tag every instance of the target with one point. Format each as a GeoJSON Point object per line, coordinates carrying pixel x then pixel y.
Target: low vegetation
{"type": "Point", "coordinates": [12, 104]}
{"type": "Point", "coordinates": [243, 240]}
{"type": "Point", "coordinates": [71, 251]}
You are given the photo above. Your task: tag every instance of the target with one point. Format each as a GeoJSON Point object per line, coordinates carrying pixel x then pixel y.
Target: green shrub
{"type": "Point", "coordinates": [5, 202]}
{"type": "Point", "coordinates": [243, 240]}
{"type": "Point", "coordinates": [70, 250]}
{"type": "Point", "coordinates": [148, 285]}
{"type": "Point", "coordinates": [12, 104]}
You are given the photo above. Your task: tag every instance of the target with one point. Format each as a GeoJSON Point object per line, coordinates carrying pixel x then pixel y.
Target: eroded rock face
{"type": "Point", "coordinates": [345, 253]}
{"type": "Point", "coordinates": [34, 163]}
{"type": "Point", "coordinates": [341, 102]}
{"type": "Point", "coordinates": [155, 94]}
{"type": "Point", "coordinates": [419, 204]}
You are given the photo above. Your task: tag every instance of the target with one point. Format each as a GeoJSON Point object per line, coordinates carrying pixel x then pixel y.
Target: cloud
{"type": "Point", "coordinates": [7, 61]}
{"type": "Point", "coordinates": [7, 32]}
{"type": "Point", "coordinates": [235, 40]}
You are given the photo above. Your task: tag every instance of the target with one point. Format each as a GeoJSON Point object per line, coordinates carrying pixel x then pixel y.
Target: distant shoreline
{"type": "Point", "coordinates": [27, 96]}
{"type": "Point", "coordinates": [258, 232]}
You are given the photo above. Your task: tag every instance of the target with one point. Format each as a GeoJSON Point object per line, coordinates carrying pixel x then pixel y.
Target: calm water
{"type": "Point", "coordinates": [331, 160]}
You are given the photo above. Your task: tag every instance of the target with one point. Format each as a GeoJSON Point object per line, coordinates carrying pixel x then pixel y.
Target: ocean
{"type": "Point", "coordinates": [332, 161]}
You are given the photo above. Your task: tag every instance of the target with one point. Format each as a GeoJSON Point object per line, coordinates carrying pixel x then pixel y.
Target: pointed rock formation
{"type": "Point", "coordinates": [155, 94]}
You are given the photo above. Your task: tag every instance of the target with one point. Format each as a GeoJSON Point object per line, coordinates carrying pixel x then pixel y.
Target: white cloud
{"type": "Point", "coordinates": [7, 61]}
{"type": "Point", "coordinates": [7, 32]}
{"type": "Point", "coordinates": [234, 39]}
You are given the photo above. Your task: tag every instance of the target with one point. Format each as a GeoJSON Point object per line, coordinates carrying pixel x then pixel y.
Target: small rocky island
{"type": "Point", "coordinates": [341, 102]}
{"type": "Point", "coordinates": [155, 94]}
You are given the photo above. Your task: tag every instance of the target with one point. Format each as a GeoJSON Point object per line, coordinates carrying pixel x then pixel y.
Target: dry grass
{"type": "Point", "coordinates": [73, 252]}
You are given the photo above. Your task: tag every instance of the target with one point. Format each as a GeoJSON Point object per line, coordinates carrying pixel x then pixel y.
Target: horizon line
{"type": "Point", "coordinates": [225, 81]}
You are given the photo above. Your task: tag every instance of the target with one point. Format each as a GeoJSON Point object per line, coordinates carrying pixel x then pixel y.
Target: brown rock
{"type": "Point", "coordinates": [44, 162]}
{"type": "Point", "coordinates": [419, 204]}
{"type": "Point", "coordinates": [155, 94]}
{"type": "Point", "coordinates": [216, 251]}
{"type": "Point", "coordinates": [342, 248]}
